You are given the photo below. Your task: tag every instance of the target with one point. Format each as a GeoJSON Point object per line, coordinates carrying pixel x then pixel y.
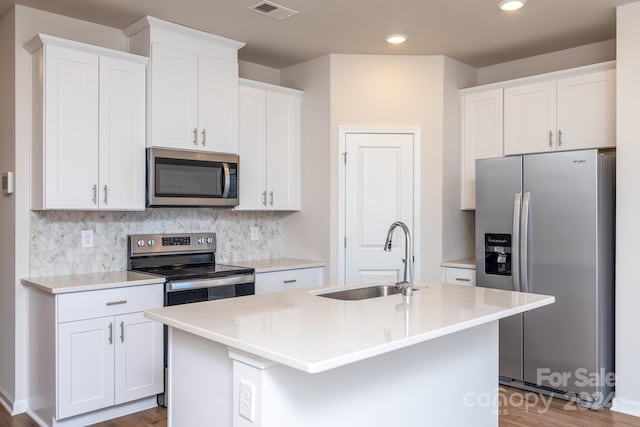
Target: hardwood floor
{"type": "Point", "coordinates": [524, 409]}
{"type": "Point", "coordinates": [517, 409]}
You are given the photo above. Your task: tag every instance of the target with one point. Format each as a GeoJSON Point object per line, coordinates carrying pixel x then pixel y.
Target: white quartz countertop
{"type": "Point", "coordinates": [277, 264]}
{"type": "Point", "coordinates": [469, 263]}
{"type": "Point", "coordinates": [314, 334]}
{"type": "Point", "coordinates": [90, 281]}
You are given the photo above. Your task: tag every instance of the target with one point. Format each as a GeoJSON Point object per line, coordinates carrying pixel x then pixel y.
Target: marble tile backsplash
{"type": "Point", "coordinates": [56, 246]}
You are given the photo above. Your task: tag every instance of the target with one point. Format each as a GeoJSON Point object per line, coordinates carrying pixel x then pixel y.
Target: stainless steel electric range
{"type": "Point", "coordinates": [188, 264]}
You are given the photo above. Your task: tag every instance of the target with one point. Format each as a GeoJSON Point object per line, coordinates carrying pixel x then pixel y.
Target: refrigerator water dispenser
{"type": "Point", "coordinates": [497, 254]}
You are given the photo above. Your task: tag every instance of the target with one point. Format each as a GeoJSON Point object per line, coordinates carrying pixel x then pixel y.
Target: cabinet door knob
{"type": "Point", "coordinates": [204, 137]}
{"type": "Point", "coordinates": [550, 138]}
{"type": "Point", "coordinates": [106, 194]}
{"type": "Point", "coordinates": [195, 136]}
{"type": "Point", "coordinates": [94, 199]}
{"type": "Point", "coordinates": [264, 198]}
{"type": "Point", "coordinates": [271, 198]}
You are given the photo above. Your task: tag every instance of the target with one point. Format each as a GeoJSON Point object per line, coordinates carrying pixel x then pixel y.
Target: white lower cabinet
{"type": "Point", "coordinates": [286, 280]}
{"type": "Point", "coordinates": [104, 352]}
{"type": "Point", "coordinates": [459, 276]}
{"type": "Point", "coordinates": [108, 360]}
{"type": "Point", "coordinates": [85, 366]}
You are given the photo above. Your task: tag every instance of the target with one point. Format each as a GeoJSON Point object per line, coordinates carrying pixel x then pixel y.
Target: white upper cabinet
{"type": "Point", "coordinates": [88, 106]}
{"type": "Point", "coordinates": [283, 150]}
{"type": "Point", "coordinates": [218, 104]}
{"type": "Point", "coordinates": [565, 110]}
{"type": "Point", "coordinates": [481, 137]}
{"type": "Point", "coordinates": [269, 147]}
{"type": "Point", "coordinates": [252, 146]}
{"type": "Point", "coordinates": [530, 118]}
{"type": "Point", "coordinates": [571, 113]}
{"type": "Point", "coordinates": [193, 86]}
{"type": "Point", "coordinates": [174, 94]}
{"type": "Point", "coordinates": [122, 134]}
{"type": "Point", "coordinates": [587, 111]}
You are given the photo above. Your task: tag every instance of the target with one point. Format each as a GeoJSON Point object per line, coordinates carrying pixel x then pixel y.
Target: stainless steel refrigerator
{"type": "Point", "coordinates": [545, 223]}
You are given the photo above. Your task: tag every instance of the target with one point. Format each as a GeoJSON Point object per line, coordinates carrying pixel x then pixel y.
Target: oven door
{"type": "Point", "coordinates": [188, 291]}
{"type": "Point", "coordinates": [191, 178]}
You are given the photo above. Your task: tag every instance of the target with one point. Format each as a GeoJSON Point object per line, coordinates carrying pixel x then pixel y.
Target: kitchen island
{"type": "Point", "coordinates": [299, 359]}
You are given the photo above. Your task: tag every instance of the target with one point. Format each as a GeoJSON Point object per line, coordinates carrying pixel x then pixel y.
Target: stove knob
{"type": "Point", "coordinates": [140, 243]}
{"type": "Point", "coordinates": [151, 242]}
{"type": "Point", "coordinates": [210, 240]}
{"type": "Point", "coordinates": [200, 240]}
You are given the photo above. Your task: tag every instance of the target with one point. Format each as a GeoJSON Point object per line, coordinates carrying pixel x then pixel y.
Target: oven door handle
{"type": "Point", "coordinates": [183, 285]}
{"type": "Point", "coordinates": [227, 180]}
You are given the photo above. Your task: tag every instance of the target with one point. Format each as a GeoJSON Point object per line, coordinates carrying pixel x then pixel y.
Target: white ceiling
{"type": "Point", "coordinates": [472, 31]}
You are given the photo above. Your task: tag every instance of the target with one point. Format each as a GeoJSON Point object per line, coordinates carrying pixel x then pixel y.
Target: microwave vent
{"type": "Point", "coordinates": [273, 10]}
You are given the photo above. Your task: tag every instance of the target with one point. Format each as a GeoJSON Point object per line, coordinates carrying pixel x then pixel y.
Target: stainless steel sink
{"type": "Point", "coordinates": [373, 291]}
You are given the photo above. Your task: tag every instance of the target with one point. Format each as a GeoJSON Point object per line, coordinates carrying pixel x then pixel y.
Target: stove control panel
{"type": "Point", "coordinates": [152, 244]}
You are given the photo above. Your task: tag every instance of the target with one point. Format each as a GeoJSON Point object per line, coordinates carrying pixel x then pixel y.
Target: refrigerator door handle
{"type": "Point", "coordinates": [515, 254]}
{"type": "Point", "coordinates": [524, 242]}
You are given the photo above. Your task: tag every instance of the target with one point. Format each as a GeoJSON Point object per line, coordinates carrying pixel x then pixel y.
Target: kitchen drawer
{"type": "Point", "coordinates": [286, 280]}
{"type": "Point", "coordinates": [108, 302]}
{"type": "Point", "coordinates": [460, 276]}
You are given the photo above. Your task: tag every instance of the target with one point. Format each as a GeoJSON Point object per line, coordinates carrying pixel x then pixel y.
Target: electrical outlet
{"type": "Point", "coordinates": [255, 233]}
{"type": "Point", "coordinates": [247, 404]}
{"type": "Point", "coordinates": [87, 238]}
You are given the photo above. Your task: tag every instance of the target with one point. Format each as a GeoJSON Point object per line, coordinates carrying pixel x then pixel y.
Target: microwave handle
{"type": "Point", "coordinates": [227, 180]}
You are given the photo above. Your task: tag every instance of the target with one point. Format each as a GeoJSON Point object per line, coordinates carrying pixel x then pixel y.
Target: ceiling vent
{"type": "Point", "coordinates": [273, 10]}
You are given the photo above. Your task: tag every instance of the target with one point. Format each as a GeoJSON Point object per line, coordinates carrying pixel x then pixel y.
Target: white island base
{"type": "Point", "coordinates": [448, 381]}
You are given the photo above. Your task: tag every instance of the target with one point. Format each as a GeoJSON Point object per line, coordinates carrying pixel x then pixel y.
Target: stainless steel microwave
{"type": "Point", "coordinates": [191, 178]}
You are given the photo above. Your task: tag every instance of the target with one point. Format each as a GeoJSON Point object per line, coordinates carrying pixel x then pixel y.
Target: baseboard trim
{"type": "Point", "coordinates": [14, 408]}
{"type": "Point", "coordinates": [20, 407]}
{"type": "Point", "coordinates": [107, 413]}
{"type": "Point", "coordinates": [626, 406]}
{"type": "Point", "coordinates": [36, 419]}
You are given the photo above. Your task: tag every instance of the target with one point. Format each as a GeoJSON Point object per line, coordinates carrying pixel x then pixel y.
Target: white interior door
{"type": "Point", "coordinates": [378, 191]}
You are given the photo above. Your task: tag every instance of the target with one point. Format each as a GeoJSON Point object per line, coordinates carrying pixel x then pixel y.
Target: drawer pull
{"type": "Point", "coordinates": [290, 281]}
{"type": "Point", "coordinates": [124, 301]}
{"type": "Point", "coordinates": [461, 279]}
{"type": "Point", "coordinates": [110, 333]}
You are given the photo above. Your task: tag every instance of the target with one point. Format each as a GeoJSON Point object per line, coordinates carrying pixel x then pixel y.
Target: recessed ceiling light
{"type": "Point", "coordinates": [396, 38]}
{"type": "Point", "coordinates": [510, 5]}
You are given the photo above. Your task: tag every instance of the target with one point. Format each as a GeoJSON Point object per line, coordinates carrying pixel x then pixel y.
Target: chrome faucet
{"type": "Point", "coordinates": [407, 282]}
